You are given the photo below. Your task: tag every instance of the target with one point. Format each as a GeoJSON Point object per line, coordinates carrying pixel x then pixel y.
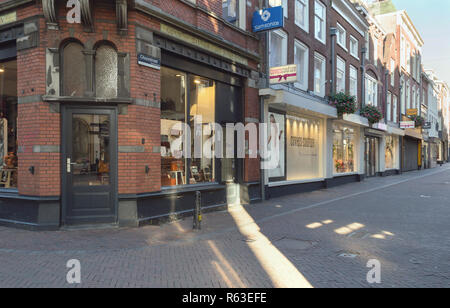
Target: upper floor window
{"type": "Point", "coordinates": [367, 44]}
{"type": "Point", "coordinates": [341, 36]}
{"type": "Point", "coordinates": [319, 75]}
{"type": "Point", "coordinates": [353, 86]}
{"type": "Point", "coordinates": [302, 14]}
{"type": "Point", "coordinates": [354, 47]}
{"type": "Point", "coordinates": [106, 72]}
{"type": "Point", "coordinates": [98, 80]}
{"type": "Point", "coordinates": [395, 109]}
{"type": "Point", "coordinates": [340, 75]}
{"type": "Point", "coordinates": [234, 12]}
{"type": "Point", "coordinates": [389, 107]}
{"type": "Point", "coordinates": [74, 70]}
{"type": "Point", "coordinates": [301, 59]}
{"type": "Point", "coordinates": [392, 69]}
{"type": "Point", "coordinates": [319, 21]}
{"type": "Point", "coordinates": [278, 48]}
{"type": "Point", "coordinates": [283, 3]}
{"type": "Point", "coordinates": [371, 91]}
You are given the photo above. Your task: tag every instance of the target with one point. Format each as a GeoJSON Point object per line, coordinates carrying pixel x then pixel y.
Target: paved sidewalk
{"type": "Point", "coordinates": [319, 239]}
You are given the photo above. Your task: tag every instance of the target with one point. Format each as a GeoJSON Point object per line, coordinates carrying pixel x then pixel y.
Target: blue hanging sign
{"type": "Point", "coordinates": [268, 19]}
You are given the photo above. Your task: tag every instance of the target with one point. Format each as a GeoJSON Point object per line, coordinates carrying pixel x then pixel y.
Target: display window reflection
{"type": "Point", "coordinates": [8, 124]}
{"type": "Point", "coordinates": [187, 101]}
{"type": "Point", "coordinates": [344, 140]}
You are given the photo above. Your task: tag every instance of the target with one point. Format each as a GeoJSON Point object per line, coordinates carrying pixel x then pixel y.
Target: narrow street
{"type": "Point", "coordinates": [318, 239]}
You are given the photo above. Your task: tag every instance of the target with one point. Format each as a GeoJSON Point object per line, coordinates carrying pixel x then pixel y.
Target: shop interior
{"type": "Point", "coordinates": [8, 124]}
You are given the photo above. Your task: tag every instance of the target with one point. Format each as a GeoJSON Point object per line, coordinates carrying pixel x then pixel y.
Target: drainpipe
{"type": "Point", "coordinates": [333, 34]}
{"type": "Point", "coordinates": [261, 106]}
{"type": "Point", "coordinates": [363, 76]}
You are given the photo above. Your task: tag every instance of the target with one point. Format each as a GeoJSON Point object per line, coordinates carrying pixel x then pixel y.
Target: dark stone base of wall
{"type": "Point", "coordinates": [30, 213]}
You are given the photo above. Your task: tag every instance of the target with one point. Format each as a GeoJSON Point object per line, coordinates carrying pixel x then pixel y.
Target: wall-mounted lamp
{"type": "Point", "coordinates": [32, 170]}
{"type": "Point", "coordinates": [147, 169]}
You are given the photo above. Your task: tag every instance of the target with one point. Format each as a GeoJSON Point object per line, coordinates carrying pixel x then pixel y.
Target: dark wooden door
{"type": "Point", "coordinates": [89, 165]}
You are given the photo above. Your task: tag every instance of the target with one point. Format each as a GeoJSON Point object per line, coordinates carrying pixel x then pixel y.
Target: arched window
{"type": "Point", "coordinates": [74, 70]}
{"type": "Point", "coordinates": [106, 72]}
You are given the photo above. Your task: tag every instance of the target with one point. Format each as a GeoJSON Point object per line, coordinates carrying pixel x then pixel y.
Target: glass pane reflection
{"type": "Point", "coordinates": [90, 150]}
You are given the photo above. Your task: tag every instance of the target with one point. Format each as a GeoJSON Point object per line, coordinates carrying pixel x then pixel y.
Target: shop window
{"type": "Point", "coordinates": [8, 124]}
{"type": "Point", "coordinates": [74, 70]}
{"type": "Point", "coordinates": [186, 100]}
{"type": "Point", "coordinates": [391, 149]}
{"type": "Point", "coordinates": [304, 148]}
{"type": "Point", "coordinates": [344, 147]}
{"type": "Point", "coordinates": [106, 72]}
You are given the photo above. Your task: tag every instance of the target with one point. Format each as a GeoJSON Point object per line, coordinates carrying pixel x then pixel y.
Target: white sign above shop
{"type": "Point", "coordinates": [407, 124]}
{"type": "Point", "coordinates": [283, 74]}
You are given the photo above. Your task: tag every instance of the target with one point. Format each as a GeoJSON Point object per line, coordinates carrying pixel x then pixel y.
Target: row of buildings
{"type": "Point", "coordinates": [92, 93]}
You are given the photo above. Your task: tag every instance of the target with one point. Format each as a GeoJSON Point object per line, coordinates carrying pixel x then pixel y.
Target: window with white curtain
{"type": "Point", "coordinates": [340, 75]}
{"type": "Point", "coordinates": [353, 86]}
{"type": "Point", "coordinates": [302, 14]}
{"type": "Point", "coordinates": [301, 57]}
{"type": "Point", "coordinates": [392, 72]}
{"type": "Point", "coordinates": [319, 75]}
{"type": "Point", "coordinates": [371, 91]}
{"type": "Point", "coordinates": [277, 48]}
{"type": "Point", "coordinates": [394, 109]}
{"type": "Point", "coordinates": [319, 21]}
{"type": "Point", "coordinates": [389, 107]}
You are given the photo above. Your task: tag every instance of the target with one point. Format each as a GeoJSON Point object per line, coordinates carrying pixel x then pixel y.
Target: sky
{"type": "Point", "coordinates": [432, 20]}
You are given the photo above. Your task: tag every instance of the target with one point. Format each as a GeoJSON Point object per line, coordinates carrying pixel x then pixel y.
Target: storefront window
{"type": "Point", "coordinates": [8, 124]}
{"type": "Point", "coordinates": [181, 92]}
{"type": "Point", "coordinates": [391, 150]}
{"type": "Point", "coordinates": [344, 146]}
{"type": "Point", "coordinates": [304, 148]}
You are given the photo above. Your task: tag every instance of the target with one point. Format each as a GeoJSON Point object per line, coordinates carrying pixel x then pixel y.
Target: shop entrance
{"type": "Point", "coordinates": [372, 147]}
{"type": "Point", "coordinates": [89, 165]}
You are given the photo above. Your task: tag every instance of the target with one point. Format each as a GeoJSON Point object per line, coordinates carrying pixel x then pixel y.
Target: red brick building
{"type": "Point", "coordinates": [88, 108]}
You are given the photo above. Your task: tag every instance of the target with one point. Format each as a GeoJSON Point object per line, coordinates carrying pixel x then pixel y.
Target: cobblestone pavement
{"type": "Point", "coordinates": [318, 239]}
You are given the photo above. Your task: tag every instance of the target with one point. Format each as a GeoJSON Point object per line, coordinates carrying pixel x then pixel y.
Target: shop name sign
{"type": "Point", "coordinates": [411, 112]}
{"type": "Point", "coordinates": [149, 61]}
{"type": "Point", "coordinates": [8, 18]}
{"type": "Point", "coordinates": [407, 124]}
{"type": "Point", "coordinates": [268, 19]}
{"type": "Point", "coordinates": [194, 41]}
{"type": "Point", "coordinates": [283, 74]}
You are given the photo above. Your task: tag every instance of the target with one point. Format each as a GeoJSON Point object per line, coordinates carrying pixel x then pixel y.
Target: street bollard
{"type": "Point", "coordinates": [198, 211]}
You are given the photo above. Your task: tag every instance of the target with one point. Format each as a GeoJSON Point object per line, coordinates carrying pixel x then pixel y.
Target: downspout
{"type": "Point", "coordinates": [261, 106]}
{"type": "Point", "coordinates": [333, 34]}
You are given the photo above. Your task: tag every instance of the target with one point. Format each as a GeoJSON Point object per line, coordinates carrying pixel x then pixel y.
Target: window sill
{"type": "Point", "coordinates": [342, 46]}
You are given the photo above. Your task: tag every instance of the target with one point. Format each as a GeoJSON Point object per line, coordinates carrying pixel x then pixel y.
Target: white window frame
{"type": "Point", "coordinates": [354, 43]}
{"type": "Point", "coordinates": [389, 107]}
{"type": "Point", "coordinates": [305, 27]}
{"type": "Point", "coordinates": [367, 44]}
{"type": "Point", "coordinates": [371, 91]}
{"type": "Point", "coordinates": [283, 3]}
{"type": "Point", "coordinates": [302, 70]}
{"type": "Point", "coordinates": [353, 78]}
{"type": "Point", "coordinates": [318, 56]}
{"type": "Point", "coordinates": [323, 19]}
{"type": "Point", "coordinates": [392, 72]}
{"type": "Point", "coordinates": [395, 108]}
{"type": "Point", "coordinates": [341, 36]}
{"type": "Point", "coordinates": [284, 36]}
{"type": "Point", "coordinates": [340, 68]}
